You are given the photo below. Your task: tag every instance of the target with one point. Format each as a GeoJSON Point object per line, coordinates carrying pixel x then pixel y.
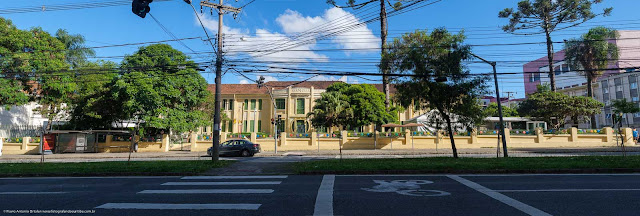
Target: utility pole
{"type": "Point", "coordinates": [509, 98]}
{"type": "Point", "coordinates": [495, 78]}
{"type": "Point", "coordinates": [383, 37]}
{"type": "Point", "coordinates": [216, 119]}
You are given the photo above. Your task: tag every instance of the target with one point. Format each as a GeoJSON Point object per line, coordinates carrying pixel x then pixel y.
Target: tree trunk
{"type": "Point", "coordinates": [590, 95]}
{"type": "Point", "coordinates": [552, 74]}
{"type": "Point", "coordinates": [453, 142]}
{"type": "Point", "coordinates": [50, 119]}
{"type": "Point", "coordinates": [383, 37]}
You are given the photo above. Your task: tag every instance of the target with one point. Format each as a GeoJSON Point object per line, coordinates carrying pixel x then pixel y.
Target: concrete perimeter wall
{"type": "Point", "coordinates": [404, 141]}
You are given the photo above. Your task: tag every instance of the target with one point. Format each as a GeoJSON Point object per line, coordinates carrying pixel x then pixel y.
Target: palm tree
{"type": "Point", "coordinates": [591, 54]}
{"type": "Point", "coordinates": [330, 110]}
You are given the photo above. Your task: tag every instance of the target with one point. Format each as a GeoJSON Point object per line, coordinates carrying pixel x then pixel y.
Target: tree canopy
{"type": "Point", "coordinates": [492, 110]}
{"type": "Point", "coordinates": [554, 107]}
{"type": "Point", "coordinates": [331, 109]}
{"type": "Point", "coordinates": [433, 58]}
{"type": "Point", "coordinates": [592, 53]}
{"type": "Point", "coordinates": [547, 16]}
{"type": "Point", "coordinates": [366, 102]}
{"type": "Point", "coordinates": [162, 88]}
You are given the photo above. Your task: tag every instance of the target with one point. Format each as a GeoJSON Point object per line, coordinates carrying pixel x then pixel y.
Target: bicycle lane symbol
{"type": "Point", "coordinates": [405, 187]}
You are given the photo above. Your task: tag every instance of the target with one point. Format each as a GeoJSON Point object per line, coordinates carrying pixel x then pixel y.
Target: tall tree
{"type": "Point", "coordinates": [19, 61]}
{"type": "Point", "coordinates": [366, 103]}
{"type": "Point", "coordinates": [162, 88]}
{"type": "Point", "coordinates": [76, 51]}
{"type": "Point", "coordinates": [330, 110]}
{"type": "Point", "coordinates": [554, 107]}
{"type": "Point", "coordinates": [428, 58]}
{"type": "Point", "coordinates": [32, 64]}
{"type": "Point", "coordinates": [547, 16]}
{"type": "Point", "coordinates": [591, 54]}
{"type": "Point", "coordinates": [93, 106]}
{"type": "Point", "coordinates": [383, 35]}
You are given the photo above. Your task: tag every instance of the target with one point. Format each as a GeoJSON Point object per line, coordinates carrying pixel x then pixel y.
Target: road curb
{"type": "Point", "coordinates": [498, 171]}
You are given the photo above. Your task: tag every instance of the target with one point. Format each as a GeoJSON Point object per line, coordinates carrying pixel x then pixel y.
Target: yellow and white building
{"type": "Point", "coordinates": [251, 108]}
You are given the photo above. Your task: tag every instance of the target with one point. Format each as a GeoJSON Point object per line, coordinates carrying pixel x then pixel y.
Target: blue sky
{"type": "Point", "coordinates": [267, 22]}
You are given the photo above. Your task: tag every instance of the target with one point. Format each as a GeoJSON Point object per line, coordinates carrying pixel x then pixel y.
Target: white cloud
{"type": "Point", "coordinates": [360, 37]}
{"type": "Point", "coordinates": [267, 78]}
{"type": "Point", "coordinates": [244, 81]}
{"type": "Point", "coordinates": [345, 79]}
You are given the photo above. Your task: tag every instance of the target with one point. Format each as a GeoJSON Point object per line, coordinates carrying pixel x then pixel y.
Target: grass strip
{"type": "Point", "coordinates": [111, 168]}
{"type": "Point", "coordinates": [579, 164]}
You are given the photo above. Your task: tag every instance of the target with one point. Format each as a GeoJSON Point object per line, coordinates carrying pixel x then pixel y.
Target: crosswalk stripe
{"type": "Point", "coordinates": [30, 193]}
{"type": "Point", "coordinates": [234, 177]}
{"type": "Point", "coordinates": [224, 183]}
{"type": "Point", "coordinates": [169, 206]}
{"type": "Point", "coordinates": [207, 191]}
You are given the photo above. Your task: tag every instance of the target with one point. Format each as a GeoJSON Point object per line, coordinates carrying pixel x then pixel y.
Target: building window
{"type": "Point", "coordinates": [530, 77]}
{"type": "Point", "coordinates": [300, 126]}
{"type": "Point", "coordinates": [253, 104]}
{"type": "Point", "coordinates": [246, 104]}
{"type": "Point", "coordinates": [230, 126]}
{"type": "Point", "coordinates": [636, 115]}
{"type": "Point", "coordinates": [224, 126]}
{"type": "Point", "coordinates": [224, 104]}
{"type": "Point", "coordinates": [618, 88]}
{"type": "Point", "coordinates": [633, 86]}
{"type": "Point", "coordinates": [635, 99]}
{"type": "Point", "coordinates": [259, 125]}
{"type": "Point", "coordinates": [565, 68]}
{"type": "Point", "coordinates": [259, 104]}
{"type": "Point", "coordinates": [253, 126]}
{"type": "Point", "coordinates": [536, 77]}
{"type": "Point", "coordinates": [300, 106]}
{"type": "Point", "coordinates": [280, 103]}
{"type": "Point", "coordinates": [230, 104]}
{"type": "Point", "coordinates": [244, 129]}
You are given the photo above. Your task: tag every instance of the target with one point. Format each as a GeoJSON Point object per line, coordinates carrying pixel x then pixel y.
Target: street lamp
{"type": "Point", "coordinates": [495, 79]}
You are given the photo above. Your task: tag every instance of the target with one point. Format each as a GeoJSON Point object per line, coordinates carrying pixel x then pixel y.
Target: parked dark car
{"type": "Point", "coordinates": [242, 148]}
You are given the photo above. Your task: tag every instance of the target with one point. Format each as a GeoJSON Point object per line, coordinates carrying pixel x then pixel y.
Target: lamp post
{"type": "Point", "coordinates": [495, 79]}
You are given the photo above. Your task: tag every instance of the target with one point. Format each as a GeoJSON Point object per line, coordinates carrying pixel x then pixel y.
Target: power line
{"type": "Point", "coordinates": [71, 6]}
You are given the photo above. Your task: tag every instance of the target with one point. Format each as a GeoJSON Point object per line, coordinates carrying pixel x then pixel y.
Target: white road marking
{"type": "Point", "coordinates": [30, 193]}
{"type": "Point", "coordinates": [168, 206]}
{"type": "Point", "coordinates": [557, 174]}
{"type": "Point", "coordinates": [208, 191]}
{"type": "Point", "coordinates": [88, 177]}
{"type": "Point", "coordinates": [567, 190]}
{"type": "Point", "coordinates": [500, 197]}
{"type": "Point", "coordinates": [232, 177]}
{"type": "Point", "coordinates": [224, 183]}
{"type": "Point", "coordinates": [324, 200]}
{"type": "Point", "coordinates": [497, 175]}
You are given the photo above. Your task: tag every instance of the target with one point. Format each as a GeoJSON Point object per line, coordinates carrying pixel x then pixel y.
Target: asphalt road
{"type": "Point", "coordinates": [571, 194]}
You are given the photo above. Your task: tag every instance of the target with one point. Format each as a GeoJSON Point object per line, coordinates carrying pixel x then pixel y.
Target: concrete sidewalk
{"type": "Point", "coordinates": [187, 155]}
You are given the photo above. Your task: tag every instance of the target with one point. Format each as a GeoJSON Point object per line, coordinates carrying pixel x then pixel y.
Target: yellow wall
{"type": "Point", "coordinates": [432, 142]}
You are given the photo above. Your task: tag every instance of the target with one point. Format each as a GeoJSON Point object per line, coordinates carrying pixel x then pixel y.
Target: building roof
{"type": "Point", "coordinates": [253, 88]}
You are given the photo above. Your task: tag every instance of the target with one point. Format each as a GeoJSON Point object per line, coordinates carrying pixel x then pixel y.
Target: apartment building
{"type": "Point", "coordinates": [613, 84]}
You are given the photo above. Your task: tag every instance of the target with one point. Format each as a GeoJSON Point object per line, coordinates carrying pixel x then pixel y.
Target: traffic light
{"type": "Point", "coordinates": [140, 7]}
{"type": "Point", "coordinates": [272, 122]}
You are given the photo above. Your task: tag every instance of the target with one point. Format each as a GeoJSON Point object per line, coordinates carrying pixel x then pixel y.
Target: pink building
{"type": "Point", "coordinates": [536, 72]}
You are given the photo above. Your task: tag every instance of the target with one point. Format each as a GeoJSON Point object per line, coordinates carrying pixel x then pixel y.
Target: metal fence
{"type": "Point", "coordinates": [20, 131]}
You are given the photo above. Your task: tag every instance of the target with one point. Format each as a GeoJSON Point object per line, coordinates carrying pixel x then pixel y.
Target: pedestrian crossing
{"type": "Point", "coordinates": [206, 185]}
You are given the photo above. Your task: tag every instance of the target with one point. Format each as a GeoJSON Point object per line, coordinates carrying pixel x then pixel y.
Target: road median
{"type": "Point", "coordinates": [440, 165]}
{"type": "Point", "coordinates": [110, 168]}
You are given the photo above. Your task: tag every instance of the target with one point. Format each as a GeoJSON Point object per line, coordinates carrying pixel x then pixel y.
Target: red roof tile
{"type": "Point", "coordinates": [253, 88]}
